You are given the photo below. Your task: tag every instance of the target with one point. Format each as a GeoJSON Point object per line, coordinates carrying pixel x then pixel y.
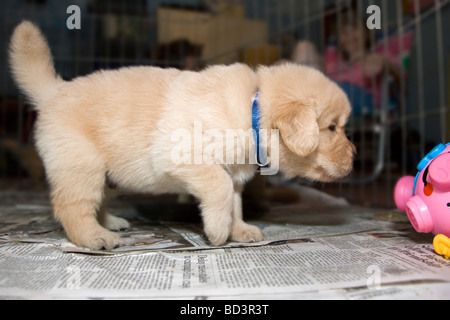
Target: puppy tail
{"type": "Point", "coordinates": [32, 64]}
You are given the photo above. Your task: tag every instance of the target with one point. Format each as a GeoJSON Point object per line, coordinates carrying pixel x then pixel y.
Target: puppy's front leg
{"type": "Point", "coordinates": [214, 188]}
{"type": "Point", "coordinates": [241, 231]}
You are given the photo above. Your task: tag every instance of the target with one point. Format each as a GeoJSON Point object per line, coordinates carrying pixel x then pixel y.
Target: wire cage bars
{"type": "Point", "coordinates": [391, 57]}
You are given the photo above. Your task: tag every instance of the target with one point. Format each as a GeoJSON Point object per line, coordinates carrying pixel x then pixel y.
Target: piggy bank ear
{"type": "Point", "coordinates": [403, 192]}
{"type": "Point", "coordinates": [439, 172]}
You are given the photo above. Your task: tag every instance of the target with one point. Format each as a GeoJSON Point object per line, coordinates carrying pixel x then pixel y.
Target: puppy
{"type": "Point", "coordinates": [123, 127]}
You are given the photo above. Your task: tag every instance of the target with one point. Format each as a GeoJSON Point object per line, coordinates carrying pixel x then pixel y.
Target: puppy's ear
{"type": "Point", "coordinates": [297, 122]}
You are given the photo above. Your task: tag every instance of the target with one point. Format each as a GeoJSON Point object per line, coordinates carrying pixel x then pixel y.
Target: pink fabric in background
{"type": "Point", "coordinates": [343, 71]}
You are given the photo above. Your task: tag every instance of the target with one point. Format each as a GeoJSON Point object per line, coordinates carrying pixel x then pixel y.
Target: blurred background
{"type": "Point", "coordinates": [396, 75]}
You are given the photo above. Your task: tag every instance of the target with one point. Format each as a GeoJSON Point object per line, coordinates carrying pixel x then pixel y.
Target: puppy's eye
{"type": "Point", "coordinates": [332, 127]}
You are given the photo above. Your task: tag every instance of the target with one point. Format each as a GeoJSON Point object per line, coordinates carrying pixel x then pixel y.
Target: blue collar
{"type": "Point", "coordinates": [261, 156]}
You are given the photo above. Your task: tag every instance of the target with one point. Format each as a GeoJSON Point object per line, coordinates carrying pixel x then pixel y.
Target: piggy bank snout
{"type": "Point", "coordinates": [419, 215]}
{"type": "Point", "coordinates": [439, 172]}
{"type": "Point", "coordinates": [403, 192]}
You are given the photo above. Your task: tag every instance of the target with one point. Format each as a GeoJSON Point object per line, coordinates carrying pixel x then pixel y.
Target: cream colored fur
{"type": "Point", "coordinates": [120, 123]}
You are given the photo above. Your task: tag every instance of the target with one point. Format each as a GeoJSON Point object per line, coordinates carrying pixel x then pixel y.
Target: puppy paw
{"type": "Point", "coordinates": [98, 239]}
{"type": "Point", "coordinates": [111, 222]}
{"type": "Point", "coordinates": [218, 235]}
{"type": "Point", "coordinates": [246, 233]}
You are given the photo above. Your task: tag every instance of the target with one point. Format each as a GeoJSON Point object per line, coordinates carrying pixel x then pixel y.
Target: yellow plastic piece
{"type": "Point", "coordinates": [442, 245]}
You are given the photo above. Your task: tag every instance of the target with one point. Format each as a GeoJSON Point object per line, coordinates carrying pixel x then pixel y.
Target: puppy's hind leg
{"type": "Point", "coordinates": [105, 218]}
{"type": "Point", "coordinates": [77, 194]}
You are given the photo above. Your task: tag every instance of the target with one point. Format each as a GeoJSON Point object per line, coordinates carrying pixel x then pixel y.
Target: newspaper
{"type": "Point", "coordinates": [331, 251]}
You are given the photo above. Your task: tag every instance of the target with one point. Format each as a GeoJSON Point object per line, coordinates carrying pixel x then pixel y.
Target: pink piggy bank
{"type": "Point", "coordinates": [426, 198]}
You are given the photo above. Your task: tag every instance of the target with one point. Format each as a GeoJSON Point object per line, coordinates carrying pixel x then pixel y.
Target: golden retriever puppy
{"type": "Point", "coordinates": [133, 127]}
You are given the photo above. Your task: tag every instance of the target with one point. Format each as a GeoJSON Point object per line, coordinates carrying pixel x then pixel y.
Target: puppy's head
{"type": "Point", "coordinates": [310, 112]}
